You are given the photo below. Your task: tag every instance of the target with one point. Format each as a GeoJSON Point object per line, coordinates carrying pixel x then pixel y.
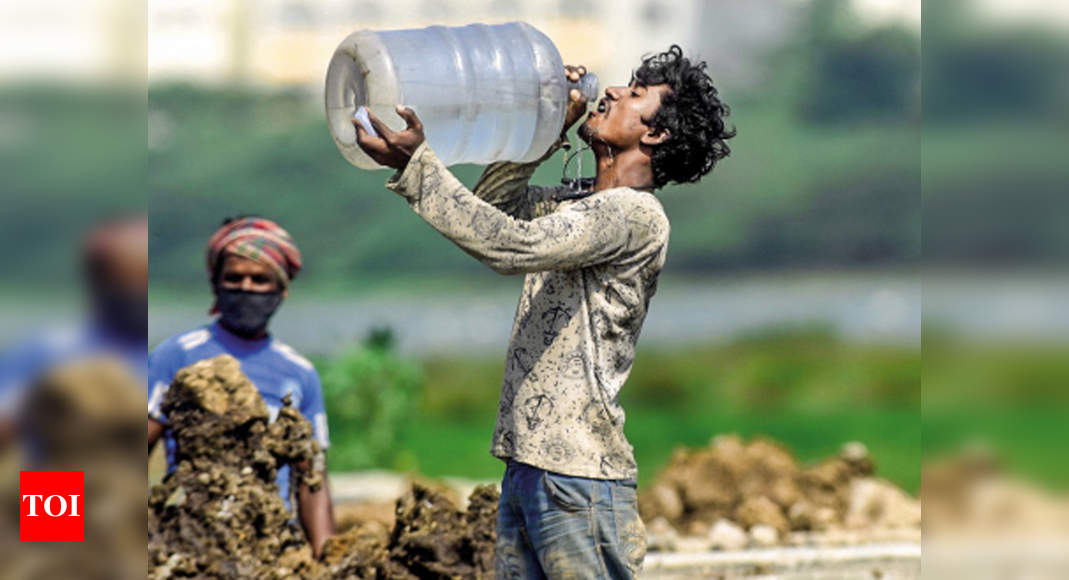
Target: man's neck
{"type": "Point", "coordinates": [622, 169]}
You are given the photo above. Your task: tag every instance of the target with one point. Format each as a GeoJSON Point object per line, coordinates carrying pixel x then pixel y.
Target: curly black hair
{"type": "Point", "coordinates": [691, 112]}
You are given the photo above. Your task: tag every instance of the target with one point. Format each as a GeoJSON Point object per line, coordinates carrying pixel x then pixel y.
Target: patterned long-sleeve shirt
{"type": "Point", "coordinates": [591, 266]}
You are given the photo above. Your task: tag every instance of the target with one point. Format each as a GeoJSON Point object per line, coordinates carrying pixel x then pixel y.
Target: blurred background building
{"type": "Point", "coordinates": [82, 42]}
{"type": "Point", "coordinates": [288, 42]}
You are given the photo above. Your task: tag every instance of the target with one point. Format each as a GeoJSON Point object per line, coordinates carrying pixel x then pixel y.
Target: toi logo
{"type": "Point", "coordinates": [51, 506]}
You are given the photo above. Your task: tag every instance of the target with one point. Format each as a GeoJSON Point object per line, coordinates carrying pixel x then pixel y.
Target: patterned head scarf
{"type": "Point", "coordinates": [257, 239]}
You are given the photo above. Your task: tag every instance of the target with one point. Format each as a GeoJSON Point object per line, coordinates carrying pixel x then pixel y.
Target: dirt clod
{"type": "Point", "coordinates": [759, 510]}
{"type": "Point", "coordinates": [362, 551]}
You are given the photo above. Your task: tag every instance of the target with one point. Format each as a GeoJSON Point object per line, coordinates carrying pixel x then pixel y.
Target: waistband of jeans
{"type": "Point", "coordinates": [511, 465]}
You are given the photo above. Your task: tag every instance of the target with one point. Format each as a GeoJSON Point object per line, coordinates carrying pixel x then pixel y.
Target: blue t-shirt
{"type": "Point", "coordinates": [27, 361]}
{"type": "Point", "coordinates": [275, 368]}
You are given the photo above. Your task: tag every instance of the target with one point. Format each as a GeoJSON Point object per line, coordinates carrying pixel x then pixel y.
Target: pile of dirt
{"type": "Point", "coordinates": [731, 487]}
{"type": "Point", "coordinates": [972, 492]}
{"type": "Point", "coordinates": [431, 538]}
{"type": "Point", "coordinates": [357, 513]}
{"type": "Point", "coordinates": [85, 415]}
{"type": "Point", "coordinates": [219, 513]}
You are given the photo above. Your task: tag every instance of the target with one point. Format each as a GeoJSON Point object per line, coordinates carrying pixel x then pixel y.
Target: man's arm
{"type": "Point", "coordinates": [155, 429]}
{"type": "Point", "coordinates": [504, 186]}
{"type": "Point", "coordinates": [587, 232]}
{"type": "Point", "coordinates": [317, 514]}
{"type": "Point", "coordinates": [160, 373]}
{"type": "Point", "coordinates": [314, 507]}
{"type": "Point", "coordinates": [590, 231]}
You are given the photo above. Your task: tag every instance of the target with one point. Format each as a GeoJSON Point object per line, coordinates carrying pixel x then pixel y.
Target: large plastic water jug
{"type": "Point", "coordinates": [484, 93]}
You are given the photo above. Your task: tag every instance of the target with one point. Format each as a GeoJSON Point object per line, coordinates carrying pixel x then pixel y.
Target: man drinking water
{"type": "Point", "coordinates": [591, 261]}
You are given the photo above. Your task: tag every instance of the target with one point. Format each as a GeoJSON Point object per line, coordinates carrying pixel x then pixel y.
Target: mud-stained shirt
{"type": "Point", "coordinates": [591, 266]}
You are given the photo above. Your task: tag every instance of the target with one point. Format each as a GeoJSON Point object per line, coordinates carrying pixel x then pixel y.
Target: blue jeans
{"type": "Point", "coordinates": [561, 527]}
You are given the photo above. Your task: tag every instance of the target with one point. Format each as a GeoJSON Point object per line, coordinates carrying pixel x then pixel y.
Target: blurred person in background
{"type": "Point", "coordinates": [592, 259]}
{"type": "Point", "coordinates": [70, 400]}
{"type": "Point", "coordinates": [115, 268]}
{"type": "Point", "coordinates": [251, 262]}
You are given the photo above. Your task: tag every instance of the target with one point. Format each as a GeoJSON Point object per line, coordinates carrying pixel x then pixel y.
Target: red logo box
{"type": "Point", "coordinates": [51, 506]}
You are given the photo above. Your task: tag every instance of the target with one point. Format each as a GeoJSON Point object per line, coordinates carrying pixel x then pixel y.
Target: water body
{"type": "Point", "coordinates": [873, 307]}
{"type": "Point", "coordinates": [878, 308]}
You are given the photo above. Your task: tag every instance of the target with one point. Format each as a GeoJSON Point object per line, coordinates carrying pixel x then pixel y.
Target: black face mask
{"type": "Point", "coordinates": [123, 313]}
{"type": "Point", "coordinates": [246, 313]}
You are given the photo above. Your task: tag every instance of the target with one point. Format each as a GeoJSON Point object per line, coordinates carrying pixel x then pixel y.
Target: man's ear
{"type": "Point", "coordinates": [655, 137]}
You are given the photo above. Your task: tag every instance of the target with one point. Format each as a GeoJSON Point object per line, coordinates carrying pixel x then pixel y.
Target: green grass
{"type": "Point", "coordinates": [1008, 396]}
{"type": "Point", "coordinates": [1028, 441]}
{"type": "Point", "coordinates": [800, 386]}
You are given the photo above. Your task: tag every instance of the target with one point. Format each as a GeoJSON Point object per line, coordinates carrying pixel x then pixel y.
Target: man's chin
{"type": "Point", "coordinates": [586, 132]}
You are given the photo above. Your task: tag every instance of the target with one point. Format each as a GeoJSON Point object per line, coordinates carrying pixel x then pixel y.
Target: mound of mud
{"type": "Point", "coordinates": [430, 539]}
{"type": "Point", "coordinates": [732, 486]}
{"type": "Point", "coordinates": [219, 514]}
{"type": "Point", "coordinates": [85, 415]}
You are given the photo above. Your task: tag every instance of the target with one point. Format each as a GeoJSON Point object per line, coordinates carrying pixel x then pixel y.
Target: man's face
{"type": "Point", "coordinates": [617, 119]}
{"type": "Point", "coordinates": [117, 268]}
{"type": "Point", "coordinates": [127, 271]}
{"type": "Point", "coordinates": [240, 273]}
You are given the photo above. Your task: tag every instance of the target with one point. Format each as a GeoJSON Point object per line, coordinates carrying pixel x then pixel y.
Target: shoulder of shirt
{"type": "Point", "coordinates": [643, 208]}
{"type": "Point", "coordinates": [43, 348]}
{"type": "Point", "coordinates": [637, 198]}
{"type": "Point", "coordinates": [60, 340]}
{"type": "Point", "coordinates": [292, 355]}
{"type": "Point", "coordinates": [184, 341]}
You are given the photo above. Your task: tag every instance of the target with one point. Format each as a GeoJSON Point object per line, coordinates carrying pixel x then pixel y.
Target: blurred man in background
{"type": "Point", "coordinates": [115, 266]}
{"type": "Point", "coordinates": [71, 400]}
{"type": "Point", "coordinates": [251, 262]}
{"type": "Point", "coordinates": [591, 258]}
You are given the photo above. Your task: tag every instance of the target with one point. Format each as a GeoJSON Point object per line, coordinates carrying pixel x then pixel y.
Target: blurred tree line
{"type": "Point", "coordinates": [853, 73]}
{"type": "Point", "coordinates": [69, 158]}
{"type": "Point", "coordinates": [996, 109]}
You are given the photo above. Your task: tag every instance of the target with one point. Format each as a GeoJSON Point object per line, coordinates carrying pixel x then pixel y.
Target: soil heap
{"type": "Point", "coordinates": [733, 486]}
{"type": "Point", "coordinates": [85, 414]}
{"type": "Point", "coordinates": [430, 539]}
{"type": "Point", "coordinates": [219, 514]}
